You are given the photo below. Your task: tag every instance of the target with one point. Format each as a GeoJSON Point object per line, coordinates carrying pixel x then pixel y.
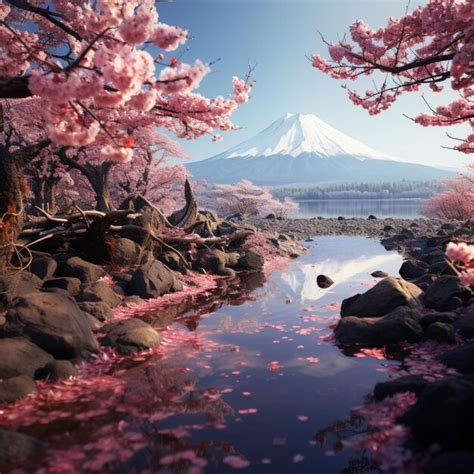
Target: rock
{"type": "Point", "coordinates": [211, 260]}
{"type": "Point", "coordinates": [130, 336]}
{"type": "Point", "coordinates": [401, 325]}
{"type": "Point", "coordinates": [77, 267]}
{"type": "Point", "coordinates": [444, 414]}
{"type": "Point", "coordinates": [251, 260]}
{"type": "Point", "coordinates": [225, 228]}
{"type": "Point", "coordinates": [412, 269]}
{"type": "Point", "coordinates": [382, 298]}
{"type": "Point", "coordinates": [441, 294]}
{"type": "Point", "coordinates": [121, 276]}
{"type": "Point", "coordinates": [93, 322]}
{"type": "Point", "coordinates": [234, 217]}
{"type": "Point", "coordinates": [16, 447]}
{"type": "Point", "coordinates": [125, 252]}
{"type": "Point", "coordinates": [388, 228]}
{"type": "Point", "coordinates": [452, 462]}
{"type": "Point", "coordinates": [410, 383]}
{"type": "Point", "coordinates": [324, 281]}
{"type": "Point", "coordinates": [172, 261]}
{"type": "Point", "coordinates": [443, 267]}
{"type": "Point", "coordinates": [14, 388]}
{"type": "Point", "coordinates": [441, 332]}
{"type": "Point", "coordinates": [98, 309]}
{"type": "Point", "coordinates": [270, 216]}
{"type": "Point", "coordinates": [371, 217]}
{"type": "Point", "coordinates": [448, 226]}
{"type": "Point", "coordinates": [460, 358]}
{"type": "Point", "coordinates": [465, 326]}
{"type": "Point", "coordinates": [100, 291]}
{"type": "Point", "coordinates": [379, 274]}
{"type": "Point", "coordinates": [431, 318]}
{"type": "Point", "coordinates": [341, 218]}
{"type": "Point", "coordinates": [424, 281]}
{"type": "Point", "coordinates": [70, 284]}
{"type": "Point", "coordinates": [132, 301]}
{"type": "Point", "coordinates": [152, 279]}
{"type": "Point", "coordinates": [54, 322]}
{"type": "Point", "coordinates": [59, 370]}
{"type": "Point", "coordinates": [21, 357]}
{"type": "Point", "coordinates": [432, 255]}
{"type": "Point", "coordinates": [44, 267]}
{"type": "Point", "coordinates": [18, 284]}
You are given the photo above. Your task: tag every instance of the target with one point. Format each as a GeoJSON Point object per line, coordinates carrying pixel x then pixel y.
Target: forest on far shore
{"type": "Point", "coordinates": [361, 190]}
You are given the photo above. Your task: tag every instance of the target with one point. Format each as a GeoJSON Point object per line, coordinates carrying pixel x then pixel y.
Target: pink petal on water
{"type": "Point", "coordinates": [236, 462]}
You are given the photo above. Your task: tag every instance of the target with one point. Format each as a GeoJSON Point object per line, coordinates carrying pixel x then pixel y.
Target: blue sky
{"type": "Point", "coordinates": [278, 35]}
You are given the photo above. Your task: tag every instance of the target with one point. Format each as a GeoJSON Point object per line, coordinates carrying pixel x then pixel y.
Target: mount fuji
{"type": "Point", "coordinates": [301, 148]}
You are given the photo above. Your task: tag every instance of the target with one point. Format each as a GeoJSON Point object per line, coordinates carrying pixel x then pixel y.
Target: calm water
{"type": "Point", "coordinates": [405, 208]}
{"type": "Point", "coordinates": [246, 379]}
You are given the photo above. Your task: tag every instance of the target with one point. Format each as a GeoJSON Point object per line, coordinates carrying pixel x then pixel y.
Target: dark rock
{"type": "Point", "coordinates": [153, 279]}
{"type": "Point", "coordinates": [465, 326]}
{"type": "Point", "coordinates": [99, 291]}
{"type": "Point", "coordinates": [14, 388]}
{"type": "Point", "coordinates": [407, 233]}
{"type": "Point", "coordinates": [70, 284]}
{"type": "Point", "coordinates": [411, 269]}
{"type": "Point", "coordinates": [324, 281]}
{"type": "Point", "coordinates": [382, 298]}
{"type": "Point", "coordinates": [452, 462]}
{"type": "Point", "coordinates": [388, 228]}
{"type": "Point", "coordinates": [443, 267]}
{"type": "Point", "coordinates": [121, 276]}
{"type": "Point", "coordinates": [448, 226]}
{"type": "Point", "coordinates": [173, 261]}
{"type": "Point", "coordinates": [93, 322]}
{"type": "Point", "coordinates": [77, 267]}
{"type": "Point", "coordinates": [132, 301]}
{"type": "Point", "coordinates": [424, 281]}
{"type": "Point", "coordinates": [444, 414]}
{"type": "Point", "coordinates": [251, 260]}
{"type": "Point", "coordinates": [410, 383]}
{"type": "Point", "coordinates": [53, 322]}
{"type": "Point", "coordinates": [18, 284]}
{"type": "Point", "coordinates": [98, 309]}
{"type": "Point", "coordinates": [429, 319]}
{"type": "Point", "coordinates": [379, 274]}
{"type": "Point", "coordinates": [341, 218]}
{"type": "Point", "coordinates": [21, 357]}
{"type": "Point", "coordinates": [433, 255]}
{"type": "Point", "coordinates": [441, 294]}
{"type": "Point", "coordinates": [16, 447]}
{"type": "Point", "coordinates": [270, 216]}
{"type": "Point", "coordinates": [461, 358]}
{"type": "Point", "coordinates": [225, 228]}
{"type": "Point", "coordinates": [234, 217]}
{"type": "Point", "coordinates": [371, 217]}
{"type": "Point", "coordinates": [401, 325]}
{"type": "Point", "coordinates": [58, 370]}
{"type": "Point", "coordinates": [130, 336]}
{"type": "Point", "coordinates": [44, 267]}
{"type": "Point", "coordinates": [125, 252]}
{"type": "Point", "coordinates": [211, 260]}
{"type": "Point", "coordinates": [441, 332]}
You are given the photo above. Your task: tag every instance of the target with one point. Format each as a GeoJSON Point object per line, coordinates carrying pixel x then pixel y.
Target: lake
{"type": "Point", "coordinates": [403, 208]}
{"type": "Point", "coordinates": [245, 379]}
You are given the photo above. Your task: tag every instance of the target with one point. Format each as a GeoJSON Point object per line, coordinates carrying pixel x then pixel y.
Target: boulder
{"type": "Point", "coordinates": [77, 267]}
{"type": "Point", "coordinates": [125, 252]}
{"type": "Point", "coordinates": [444, 415]}
{"type": "Point", "coordinates": [410, 383]}
{"type": "Point", "coordinates": [173, 261]}
{"type": "Point", "coordinates": [379, 274]}
{"type": "Point", "coordinates": [452, 462]}
{"type": "Point", "coordinates": [18, 284]}
{"type": "Point", "coordinates": [211, 260]}
{"type": "Point", "coordinates": [371, 217]}
{"type": "Point", "coordinates": [465, 326]}
{"type": "Point", "coordinates": [324, 281]}
{"type": "Point", "coordinates": [382, 298]}
{"type": "Point", "coordinates": [153, 279]}
{"type": "Point", "coordinates": [98, 309]}
{"type": "Point", "coordinates": [100, 291]}
{"type": "Point", "coordinates": [14, 388]}
{"type": "Point", "coordinates": [446, 293]}
{"type": "Point", "coordinates": [58, 370]}
{"type": "Point", "coordinates": [70, 284]}
{"type": "Point", "coordinates": [431, 318]}
{"type": "Point", "coordinates": [130, 336]}
{"type": "Point", "coordinates": [412, 269]}
{"type": "Point", "coordinates": [441, 332]}
{"type": "Point", "coordinates": [54, 322]}
{"type": "Point", "coordinates": [21, 357]}
{"type": "Point", "coordinates": [443, 267]}
{"type": "Point", "coordinates": [251, 260]}
{"type": "Point", "coordinates": [15, 447]}
{"type": "Point", "coordinates": [44, 267]}
{"type": "Point", "coordinates": [461, 358]}
{"type": "Point", "coordinates": [401, 325]}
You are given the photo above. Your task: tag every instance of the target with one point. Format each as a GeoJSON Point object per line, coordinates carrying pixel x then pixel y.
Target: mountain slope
{"type": "Point", "coordinates": [301, 148]}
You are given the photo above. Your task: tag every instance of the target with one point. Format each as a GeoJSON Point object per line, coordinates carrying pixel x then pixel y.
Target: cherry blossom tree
{"type": "Point", "coordinates": [431, 46]}
{"type": "Point", "coordinates": [245, 198]}
{"type": "Point", "coordinates": [90, 64]}
{"type": "Point", "coordinates": [456, 202]}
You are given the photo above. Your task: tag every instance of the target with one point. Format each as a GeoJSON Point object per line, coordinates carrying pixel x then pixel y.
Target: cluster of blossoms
{"type": "Point", "coordinates": [106, 72]}
{"type": "Point", "coordinates": [432, 44]}
{"type": "Point", "coordinates": [464, 254]}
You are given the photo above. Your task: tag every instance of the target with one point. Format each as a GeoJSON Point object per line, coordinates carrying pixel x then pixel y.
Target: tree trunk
{"type": "Point", "coordinates": [12, 212]}
{"type": "Point", "coordinates": [98, 176]}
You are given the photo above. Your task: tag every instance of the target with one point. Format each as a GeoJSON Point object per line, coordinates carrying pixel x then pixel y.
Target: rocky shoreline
{"type": "Point", "coordinates": [425, 303]}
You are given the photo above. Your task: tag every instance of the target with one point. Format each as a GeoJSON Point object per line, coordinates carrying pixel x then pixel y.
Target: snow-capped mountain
{"type": "Point", "coordinates": [301, 148]}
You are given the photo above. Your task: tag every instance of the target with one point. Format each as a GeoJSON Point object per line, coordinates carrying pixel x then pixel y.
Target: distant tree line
{"type": "Point", "coordinates": [361, 190]}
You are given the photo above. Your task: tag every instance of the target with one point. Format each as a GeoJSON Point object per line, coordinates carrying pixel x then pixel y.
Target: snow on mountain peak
{"type": "Point", "coordinates": [295, 134]}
